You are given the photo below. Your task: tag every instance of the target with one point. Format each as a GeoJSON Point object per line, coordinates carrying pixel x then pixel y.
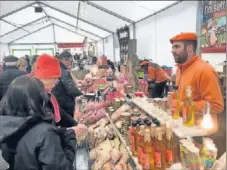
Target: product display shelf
{"type": "Point", "coordinates": [135, 160]}
{"type": "Point", "coordinates": [178, 128]}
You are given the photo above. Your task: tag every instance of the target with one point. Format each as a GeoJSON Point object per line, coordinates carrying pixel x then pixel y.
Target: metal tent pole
{"type": "Point", "coordinates": [103, 46]}
{"type": "Point", "coordinates": [114, 46]}
{"type": "Point", "coordinates": [54, 36]}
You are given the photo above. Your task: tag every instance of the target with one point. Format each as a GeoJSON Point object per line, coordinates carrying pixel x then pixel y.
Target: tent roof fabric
{"type": "Point", "coordinates": [71, 19]}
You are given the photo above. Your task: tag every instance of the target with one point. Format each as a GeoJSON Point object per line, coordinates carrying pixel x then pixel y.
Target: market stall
{"type": "Point", "coordinates": [128, 130]}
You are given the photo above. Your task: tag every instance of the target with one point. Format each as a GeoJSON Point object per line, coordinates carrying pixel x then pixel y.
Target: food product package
{"type": "Point", "coordinates": [117, 114]}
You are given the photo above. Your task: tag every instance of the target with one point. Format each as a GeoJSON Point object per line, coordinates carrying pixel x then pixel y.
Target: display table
{"type": "Point", "coordinates": [178, 128]}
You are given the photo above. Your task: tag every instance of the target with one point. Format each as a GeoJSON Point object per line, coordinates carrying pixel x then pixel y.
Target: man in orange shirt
{"type": "Point", "coordinates": [197, 73]}
{"type": "Point", "coordinates": [156, 76]}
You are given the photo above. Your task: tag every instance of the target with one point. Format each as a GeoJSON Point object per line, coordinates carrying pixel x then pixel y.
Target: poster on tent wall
{"type": "Point", "coordinates": [213, 27]}
{"type": "Point", "coordinates": [70, 45]}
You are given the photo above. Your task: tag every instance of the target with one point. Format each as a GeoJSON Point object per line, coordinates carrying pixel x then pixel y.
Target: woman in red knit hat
{"type": "Point", "coordinates": [47, 69]}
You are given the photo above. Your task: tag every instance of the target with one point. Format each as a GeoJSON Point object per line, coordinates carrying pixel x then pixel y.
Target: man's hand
{"type": "Point", "coordinates": [80, 129]}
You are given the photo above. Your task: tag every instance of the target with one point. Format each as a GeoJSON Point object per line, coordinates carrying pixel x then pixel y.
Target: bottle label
{"type": "Point", "coordinates": [174, 107]}
{"type": "Point", "coordinates": [146, 159]}
{"type": "Point", "coordinates": [157, 159]}
{"type": "Point", "coordinates": [141, 154]}
{"type": "Point", "coordinates": [184, 114]}
{"type": "Point", "coordinates": [169, 157]}
{"type": "Point", "coordinates": [133, 143]}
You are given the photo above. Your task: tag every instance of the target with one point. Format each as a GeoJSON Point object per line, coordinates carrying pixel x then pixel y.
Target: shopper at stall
{"type": "Point", "coordinates": [28, 68]}
{"type": "Point", "coordinates": [157, 78]}
{"type": "Point", "coordinates": [33, 60]}
{"type": "Point", "coordinates": [197, 73]}
{"type": "Point", "coordinates": [65, 90]}
{"type": "Point", "coordinates": [22, 64]}
{"type": "Point", "coordinates": [9, 74]}
{"type": "Point", "coordinates": [29, 139]}
{"type": "Point", "coordinates": [47, 69]}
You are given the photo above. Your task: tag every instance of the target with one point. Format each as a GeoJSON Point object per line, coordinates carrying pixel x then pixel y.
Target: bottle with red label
{"type": "Point", "coordinates": [148, 152]}
{"type": "Point", "coordinates": [133, 135]}
{"type": "Point", "coordinates": [141, 144]}
{"type": "Point", "coordinates": [169, 147]}
{"type": "Point", "coordinates": [159, 151]}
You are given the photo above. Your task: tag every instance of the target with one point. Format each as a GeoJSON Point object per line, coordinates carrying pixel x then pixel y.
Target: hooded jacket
{"type": "Point", "coordinates": [31, 143]}
{"type": "Point", "coordinates": [66, 91]}
{"type": "Point", "coordinates": [205, 86]}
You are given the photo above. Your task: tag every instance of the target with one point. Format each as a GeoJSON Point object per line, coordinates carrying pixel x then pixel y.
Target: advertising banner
{"type": "Point", "coordinates": [213, 27]}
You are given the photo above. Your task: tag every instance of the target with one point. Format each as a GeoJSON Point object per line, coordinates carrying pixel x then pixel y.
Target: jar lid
{"type": "Point", "coordinates": [125, 114]}
{"type": "Point", "coordinates": [134, 118]}
{"type": "Point", "coordinates": [134, 124]}
{"type": "Point", "coordinates": [112, 110]}
{"type": "Point", "coordinates": [136, 114]}
{"type": "Point", "coordinates": [143, 117]}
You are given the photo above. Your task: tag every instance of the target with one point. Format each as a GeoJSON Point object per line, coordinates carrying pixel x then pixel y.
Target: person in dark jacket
{"type": "Point", "coordinates": [65, 90]}
{"type": "Point", "coordinates": [29, 68]}
{"type": "Point", "coordinates": [10, 72]}
{"type": "Point", "coordinates": [29, 138]}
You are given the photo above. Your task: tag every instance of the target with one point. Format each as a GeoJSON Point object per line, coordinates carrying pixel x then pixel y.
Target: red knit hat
{"type": "Point", "coordinates": [46, 67]}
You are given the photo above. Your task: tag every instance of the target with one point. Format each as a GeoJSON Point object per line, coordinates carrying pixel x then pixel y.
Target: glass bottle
{"type": "Point", "coordinates": [148, 124]}
{"type": "Point", "coordinates": [176, 111]}
{"type": "Point", "coordinates": [159, 151]}
{"type": "Point", "coordinates": [189, 109]}
{"type": "Point", "coordinates": [141, 144]}
{"type": "Point", "coordinates": [163, 127]}
{"type": "Point", "coordinates": [133, 135]}
{"type": "Point", "coordinates": [169, 153]}
{"type": "Point", "coordinates": [148, 162]}
{"type": "Point", "coordinates": [153, 131]}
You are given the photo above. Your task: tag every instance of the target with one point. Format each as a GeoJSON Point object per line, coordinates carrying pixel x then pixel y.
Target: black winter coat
{"type": "Point", "coordinates": [66, 91]}
{"type": "Point", "coordinates": [7, 76]}
{"type": "Point", "coordinates": [29, 143]}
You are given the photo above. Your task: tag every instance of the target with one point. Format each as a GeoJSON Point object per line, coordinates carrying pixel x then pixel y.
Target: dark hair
{"type": "Point", "coordinates": [25, 97]}
{"type": "Point", "coordinates": [65, 55]}
{"type": "Point", "coordinates": [33, 60]}
{"type": "Point", "coordinates": [191, 42]}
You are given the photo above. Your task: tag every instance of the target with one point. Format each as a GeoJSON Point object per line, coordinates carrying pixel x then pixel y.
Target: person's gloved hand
{"type": "Point", "coordinates": [80, 129]}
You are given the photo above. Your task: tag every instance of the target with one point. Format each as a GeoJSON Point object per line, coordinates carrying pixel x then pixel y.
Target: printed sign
{"type": "Point", "coordinates": [213, 27]}
{"type": "Point", "coordinates": [70, 45]}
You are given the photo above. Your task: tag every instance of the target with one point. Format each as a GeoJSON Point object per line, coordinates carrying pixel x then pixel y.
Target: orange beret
{"type": "Point", "coordinates": [143, 63]}
{"type": "Point", "coordinates": [184, 37]}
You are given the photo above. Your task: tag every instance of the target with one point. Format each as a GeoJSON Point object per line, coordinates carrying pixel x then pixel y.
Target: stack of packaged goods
{"type": "Point", "coordinates": [194, 158]}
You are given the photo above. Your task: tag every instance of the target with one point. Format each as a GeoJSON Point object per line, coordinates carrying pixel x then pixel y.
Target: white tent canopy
{"type": "Point", "coordinates": [70, 21]}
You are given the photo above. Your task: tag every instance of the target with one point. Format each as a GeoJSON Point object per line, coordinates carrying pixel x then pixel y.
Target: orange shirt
{"type": "Point", "coordinates": [161, 75]}
{"type": "Point", "coordinates": [157, 74]}
{"type": "Point", "coordinates": [204, 82]}
{"type": "Point", "coordinates": [203, 79]}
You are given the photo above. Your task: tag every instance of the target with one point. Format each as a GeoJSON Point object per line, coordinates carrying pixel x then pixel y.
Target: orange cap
{"type": "Point", "coordinates": [143, 63]}
{"type": "Point", "coordinates": [184, 37]}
